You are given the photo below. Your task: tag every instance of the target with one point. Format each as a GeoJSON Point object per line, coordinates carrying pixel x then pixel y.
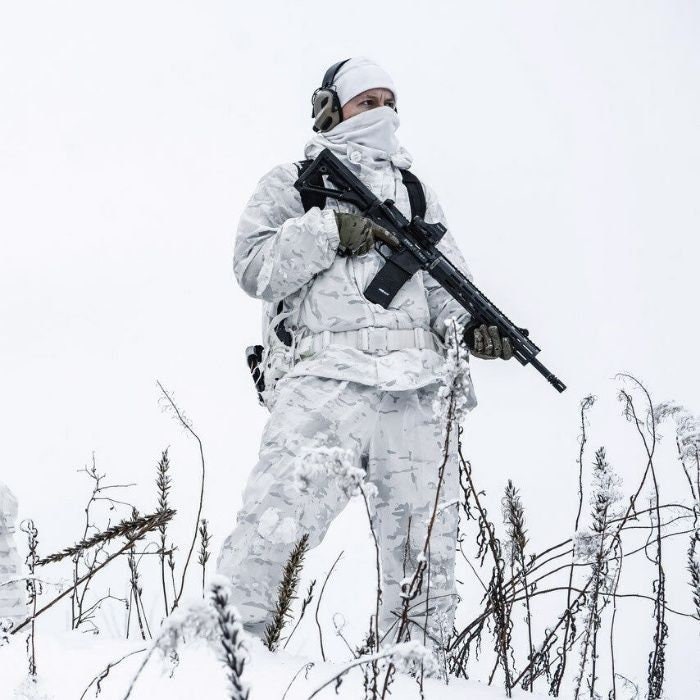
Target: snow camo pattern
{"type": "Point", "coordinates": [376, 405]}
{"type": "Point", "coordinates": [284, 254]}
{"type": "Point", "coordinates": [372, 427]}
{"type": "Point", "coordinates": [12, 591]}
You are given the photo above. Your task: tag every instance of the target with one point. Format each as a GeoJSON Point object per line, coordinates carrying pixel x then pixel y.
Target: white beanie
{"type": "Point", "coordinates": [359, 74]}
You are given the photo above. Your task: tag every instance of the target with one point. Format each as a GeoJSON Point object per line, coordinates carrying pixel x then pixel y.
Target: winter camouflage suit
{"type": "Point", "coordinates": [378, 404]}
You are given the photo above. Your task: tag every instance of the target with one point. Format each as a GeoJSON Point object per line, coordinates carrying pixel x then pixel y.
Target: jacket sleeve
{"type": "Point", "coordinates": [279, 248]}
{"type": "Point", "coordinates": [441, 304]}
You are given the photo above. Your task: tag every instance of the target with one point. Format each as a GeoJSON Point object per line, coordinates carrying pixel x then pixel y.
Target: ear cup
{"type": "Point", "coordinates": [325, 102]}
{"type": "Point", "coordinates": [326, 109]}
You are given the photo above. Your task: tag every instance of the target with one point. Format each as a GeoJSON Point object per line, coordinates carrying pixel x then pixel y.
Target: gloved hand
{"type": "Point", "coordinates": [357, 233]}
{"type": "Point", "coordinates": [486, 343]}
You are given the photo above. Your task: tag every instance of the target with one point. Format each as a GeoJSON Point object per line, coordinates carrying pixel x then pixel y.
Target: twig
{"type": "Point", "coordinates": [377, 656]}
{"type": "Point", "coordinates": [105, 672]}
{"type": "Point", "coordinates": [318, 604]}
{"type": "Point", "coordinates": [378, 600]}
{"type": "Point", "coordinates": [657, 659]}
{"type": "Point", "coordinates": [185, 424]}
{"type": "Point", "coordinates": [136, 592]}
{"type": "Point", "coordinates": [558, 674]}
{"type": "Point", "coordinates": [306, 668]}
{"type": "Point", "coordinates": [616, 583]}
{"type": "Point", "coordinates": [304, 604]}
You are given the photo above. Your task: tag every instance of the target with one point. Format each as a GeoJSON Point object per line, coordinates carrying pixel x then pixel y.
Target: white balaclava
{"type": "Point", "coordinates": [375, 128]}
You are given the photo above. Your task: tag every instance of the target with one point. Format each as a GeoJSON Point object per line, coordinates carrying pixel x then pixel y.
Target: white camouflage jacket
{"type": "Point", "coordinates": [283, 254]}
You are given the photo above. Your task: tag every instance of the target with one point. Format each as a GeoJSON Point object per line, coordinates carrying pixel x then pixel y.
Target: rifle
{"type": "Point", "coordinates": [415, 246]}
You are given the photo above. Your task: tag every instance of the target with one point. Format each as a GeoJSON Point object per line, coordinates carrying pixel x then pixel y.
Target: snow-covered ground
{"type": "Point", "coordinates": [70, 661]}
{"type": "Point", "coordinates": [131, 136]}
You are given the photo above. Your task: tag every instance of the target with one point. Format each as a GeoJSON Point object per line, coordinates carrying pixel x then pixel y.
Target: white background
{"type": "Point", "coordinates": [563, 140]}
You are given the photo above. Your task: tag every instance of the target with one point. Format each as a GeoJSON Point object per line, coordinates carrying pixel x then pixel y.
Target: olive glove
{"type": "Point", "coordinates": [357, 233]}
{"type": "Point", "coordinates": [486, 343]}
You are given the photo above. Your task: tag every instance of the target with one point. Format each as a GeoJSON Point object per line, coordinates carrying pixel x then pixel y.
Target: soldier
{"type": "Point", "coordinates": [342, 372]}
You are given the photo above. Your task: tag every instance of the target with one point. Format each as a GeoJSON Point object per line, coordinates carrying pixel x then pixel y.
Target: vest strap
{"type": "Point", "coordinates": [399, 266]}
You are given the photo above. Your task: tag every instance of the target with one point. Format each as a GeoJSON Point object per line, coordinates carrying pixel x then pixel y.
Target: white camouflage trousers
{"type": "Point", "coordinates": [399, 441]}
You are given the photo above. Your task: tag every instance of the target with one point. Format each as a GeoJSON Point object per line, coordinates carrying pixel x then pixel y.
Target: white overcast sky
{"type": "Point", "coordinates": [563, 140]}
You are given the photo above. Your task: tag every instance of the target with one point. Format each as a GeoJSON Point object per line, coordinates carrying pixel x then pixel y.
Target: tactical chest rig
{"type": "Point", "coordinates": [397, 269]}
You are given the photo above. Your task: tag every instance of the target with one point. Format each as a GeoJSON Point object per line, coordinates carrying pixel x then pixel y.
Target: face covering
{"type": "Point", "coordinates": [375, 128]}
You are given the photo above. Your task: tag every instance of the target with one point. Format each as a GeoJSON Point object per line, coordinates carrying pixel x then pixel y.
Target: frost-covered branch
{"type": "Point", "coordinates": [405, 656]}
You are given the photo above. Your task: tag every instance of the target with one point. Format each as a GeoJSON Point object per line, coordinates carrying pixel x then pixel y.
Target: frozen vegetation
{"type": "Point", "coordinates": [536, 619]}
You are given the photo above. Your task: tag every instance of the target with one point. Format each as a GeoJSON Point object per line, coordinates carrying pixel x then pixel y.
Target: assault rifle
{"type": "Point", "coordinates": [414, 245]}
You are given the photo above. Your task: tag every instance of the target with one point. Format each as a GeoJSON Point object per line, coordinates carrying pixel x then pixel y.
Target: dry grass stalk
{"type": "Point", "coordinates": [187, 425]}
{"type": "Point", "coordinates": [163, 485]}
{"type": "Point", "coordinates": [33, 590]}
{"type": "Point", "coordinates": [594, 550]}
{"type": "Point", "coordinates": [515, 519]}
{"type": "Point", "coordinates": [204, 553]}
{"type": "Point", "coordinates": [694, 570]}
{"type": "Point", "coordinates": [233, 651]}
{"type": "Point", "coordinates": [286, 593]}
{"type": "Point", "coordinates": [123, 529]}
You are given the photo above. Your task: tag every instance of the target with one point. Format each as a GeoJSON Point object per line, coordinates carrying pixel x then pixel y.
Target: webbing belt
{"type": "Point", "coordinates": [373, 340]}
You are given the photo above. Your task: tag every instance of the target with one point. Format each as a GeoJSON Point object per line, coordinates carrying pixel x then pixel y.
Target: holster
{"type": "Point", "coordinates": [254, 355]}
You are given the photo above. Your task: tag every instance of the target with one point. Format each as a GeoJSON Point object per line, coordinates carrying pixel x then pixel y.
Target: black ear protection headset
{"type": "Point", "coordinates": [325, 102]}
